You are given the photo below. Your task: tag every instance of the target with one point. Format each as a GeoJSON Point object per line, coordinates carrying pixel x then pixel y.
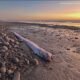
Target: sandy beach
{"type": "Point", "coordinates": [63, 43]}
{"type": "Point", "coordinates": [40, 40]}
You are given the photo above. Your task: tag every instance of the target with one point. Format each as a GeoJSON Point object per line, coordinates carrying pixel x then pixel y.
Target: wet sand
{"type": "Point", "coordinates": [64, 44]}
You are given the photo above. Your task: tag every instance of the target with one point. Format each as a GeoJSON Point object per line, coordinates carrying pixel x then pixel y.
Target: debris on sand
{"type": "Point", "coordinates": [12, 57]}
{"type": "Point", "coordinates": [47, 56]}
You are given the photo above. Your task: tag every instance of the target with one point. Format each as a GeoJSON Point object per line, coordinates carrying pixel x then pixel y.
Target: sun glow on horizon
{"type": "Point", "coordinates": [55, 16]}
{"type": "Point", "coordinates": [75, 15]}
{"type": "Point", "coordinates": [39, 10]}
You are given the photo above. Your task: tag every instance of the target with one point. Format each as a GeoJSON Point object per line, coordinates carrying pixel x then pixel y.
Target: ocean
{"type": "Point", "coordinates": [57, 23]}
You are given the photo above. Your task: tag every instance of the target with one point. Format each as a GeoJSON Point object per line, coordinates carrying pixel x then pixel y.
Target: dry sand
{"type": "Point", "coordinates": [64, 44]}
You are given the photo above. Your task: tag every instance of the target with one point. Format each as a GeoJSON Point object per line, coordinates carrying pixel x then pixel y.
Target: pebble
{"type": "Point", "coordinates": [5, 48]}
{"type": "Point", "coordinates": [2, 51]}
{"type": "Point", "coordinates": [16, 46]}
{"type": "Point", "coordinates": [27, 61]}
{"type": "Point", "coordinates": [10, 71]}
{"type": "Point", "coordinates": [12, 40]}
{"type": "Point", "coordinates": [3, 34]}
{"type": "Point", "coordinates": [6, 54]}
{"type": "Point", "coordinates": [17, 42]}
{"type": "Point", "coordinates": [6, 43]}
{"type": "Point", "coordinates": [3, 68]}
{"type": "Point", "coordinates": [13, 67]}
{"type": "Point", "coordinates": [15, 60]}
{"type": "Point", "coordinates": [35, 61]}
{"type": "Point", "coordinates": [7, 38]}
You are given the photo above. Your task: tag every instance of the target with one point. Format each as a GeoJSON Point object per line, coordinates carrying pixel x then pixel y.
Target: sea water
{"type": "Point", "coordinates": [76, 24]}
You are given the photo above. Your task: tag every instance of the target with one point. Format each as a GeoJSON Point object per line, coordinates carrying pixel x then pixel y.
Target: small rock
{"type": "Point", "coordinates": [10, 46]}
{"type": "Point", "coordinates": [27, 61]}
{"type": "Point", "coordinates": [12, 40]}
{"type": "Point", "coordinates": [3, 68]}
{"type": "Point", "coordinates": [7, 38]}
{"type": "Point", "coordinates": [3, 34]}
{"type": "Point", "coordinates": [6, 54]}
{"type": "Point", "coordinates": [6, 43]}
{"type": "Point", "coordinates": [5, 48]}
{"type": "Point", "coordinates": [13, 68]}
{"type": "Point", "coordinates": [10, 71]}
{"type": "Point", "coordinates": [16, 46]}
{"type": "Point", "coordinates": [15, 60]}
{"type": "Point", "coordinates": [1, 42]}
{"type": "Point", "coordinates": [17, 42]}
{"type": "Point", "coordinates": [35, 62]}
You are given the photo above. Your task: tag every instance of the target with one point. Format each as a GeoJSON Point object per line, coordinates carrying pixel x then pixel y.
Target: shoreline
{"type": "Point", "coordinates": [39, 24]}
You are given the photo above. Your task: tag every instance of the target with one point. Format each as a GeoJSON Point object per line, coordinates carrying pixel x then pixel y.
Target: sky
{"type": "Point", "coordinates": [39, 10]}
